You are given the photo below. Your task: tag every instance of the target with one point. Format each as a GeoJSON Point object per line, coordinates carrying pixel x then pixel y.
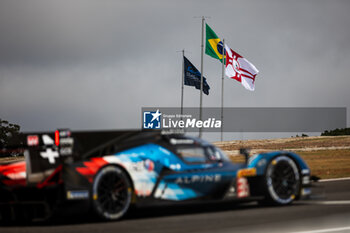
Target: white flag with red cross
{"type": "Point", "coordinates": [239, 68]}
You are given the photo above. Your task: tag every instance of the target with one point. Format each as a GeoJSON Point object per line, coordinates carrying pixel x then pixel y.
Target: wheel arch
{"type": "Point", "coordinates": [120, 167]}
{"type": "Point", "coordinates": [261, 161]}
{"type": "Point", "coordinates": [257, 161]}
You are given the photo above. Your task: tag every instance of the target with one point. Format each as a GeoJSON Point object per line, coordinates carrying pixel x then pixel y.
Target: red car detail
{"type": "Point", "coordinates": [91, 167]}
{"type": "Point", "coordinates": [15, 172]}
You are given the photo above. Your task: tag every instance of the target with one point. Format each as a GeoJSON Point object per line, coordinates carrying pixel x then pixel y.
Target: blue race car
{"type": "Point", "coordinates": [108, 171]}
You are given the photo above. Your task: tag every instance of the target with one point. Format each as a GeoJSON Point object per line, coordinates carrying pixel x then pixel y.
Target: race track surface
{"type": "Point", "coordinates": [327, 211]}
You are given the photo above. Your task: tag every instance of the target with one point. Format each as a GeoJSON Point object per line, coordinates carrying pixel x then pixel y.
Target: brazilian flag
{"type": "Point", "coordinates": [213, 44]}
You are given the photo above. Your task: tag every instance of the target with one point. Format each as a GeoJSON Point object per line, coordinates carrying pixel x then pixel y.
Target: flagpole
{"type": "Point", "coordinates": [201, 90]}
{"type": "Point", "coordinates": [222, 89]}
{"type": "Point", "coordinates": [182, 83]}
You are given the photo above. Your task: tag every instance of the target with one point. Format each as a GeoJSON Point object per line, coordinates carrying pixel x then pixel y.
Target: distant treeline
{"type": "Point", "coordinates": [336, 132]}
{"type": "Point", "coordinates": [8, 135]}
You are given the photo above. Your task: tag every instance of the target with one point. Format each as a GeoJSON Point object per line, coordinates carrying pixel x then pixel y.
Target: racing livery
{"type": "Point", "coordinates": [108, 171]}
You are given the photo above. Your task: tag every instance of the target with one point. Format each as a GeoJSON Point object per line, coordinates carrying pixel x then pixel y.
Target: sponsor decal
{"type": "Point", "coordinates": [306, 180]}
{"type": "Point", "coordinates": [305, 171]}
{"type": "Point", "coordinates": [246, 172]}
{"type": "Point", "coordinates": [77, 195]}
{"type": "Point", "coordinates": [242, 187]}
{"type": "Point", "coordinates": [65, 142]}
{"type": "Point", "coordinates": [64, 133]}
{"type": "Point", "coordinates": [198, 179]}
{"type": "Point", "coordinates": [176, 166]}
{"type": "Point", "coordinates": [262, 162]}
{"type": "Point", "coordinates": [32, 140]}
{"type": "Point", "coordinates": [181, 141]}
{"type": "Point", "coordinates": [142, 165]}
{"type": "Point", "coordinates": [66, 151]}
{"type": "Point", "coordinates": [62, 145]}
{"type": "Point", "coordinates": [50, 154]}
{"type": "Point", "coordinates": [47, 140]}
{"type": "Point", "coordinates": [231, 192]}
{"type": "Point", "coordinates": [149, 165]}
{"type": "Point", "coordinates": [305, 191]}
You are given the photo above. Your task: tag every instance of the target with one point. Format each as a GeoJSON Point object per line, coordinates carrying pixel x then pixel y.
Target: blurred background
{"type": "Point", "coordinates": [95, 64]}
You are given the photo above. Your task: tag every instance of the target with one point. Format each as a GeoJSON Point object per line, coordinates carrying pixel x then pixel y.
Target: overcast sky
{"type": "Point", "coordinates": [94, 64]}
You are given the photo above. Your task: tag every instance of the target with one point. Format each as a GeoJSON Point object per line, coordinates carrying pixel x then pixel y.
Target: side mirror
{"type": "Point", "coordinates": [245, 152]}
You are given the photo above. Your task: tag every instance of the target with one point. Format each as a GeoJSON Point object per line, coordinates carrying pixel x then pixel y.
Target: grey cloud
{"type": "Point", "coordinates": [94, 64]}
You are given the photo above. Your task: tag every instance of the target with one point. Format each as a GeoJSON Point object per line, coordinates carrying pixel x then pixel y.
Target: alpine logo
{"type": "Point", "coordinates": [198, 179]}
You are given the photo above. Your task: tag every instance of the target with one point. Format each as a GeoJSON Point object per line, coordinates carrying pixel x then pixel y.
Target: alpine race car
{"type": "Point", "coordinates": [108, 171]}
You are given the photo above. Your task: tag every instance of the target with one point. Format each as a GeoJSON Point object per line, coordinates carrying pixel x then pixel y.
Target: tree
{"type": "Point", "coordinates": [9, 134]}
{"type": "Point", "coordinates": [336, 132]}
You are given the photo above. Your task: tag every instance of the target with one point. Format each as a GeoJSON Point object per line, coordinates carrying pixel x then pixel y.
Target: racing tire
{"type": "Point", "coordinates": [281, 181]}
{"type": "Point", "coordinates": [112, 192]}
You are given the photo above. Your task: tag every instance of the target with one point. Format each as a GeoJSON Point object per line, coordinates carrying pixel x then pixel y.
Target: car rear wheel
{"type": "Point", "coordinates": [281, 181]}
{"type": "Point", "coordinates": [112, 193]}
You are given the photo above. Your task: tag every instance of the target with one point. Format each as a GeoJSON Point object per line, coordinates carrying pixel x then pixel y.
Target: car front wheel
{"type": "Point", "coordinates": [281, 181]}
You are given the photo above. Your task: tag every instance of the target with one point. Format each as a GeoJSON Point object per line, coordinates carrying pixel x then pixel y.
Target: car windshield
{"type": "Point", "coordinates": [204, 154]}
{"type": "Point", "coordinates": [215, 154]}
{"type": "Point", "coordinates": [193, 154]}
